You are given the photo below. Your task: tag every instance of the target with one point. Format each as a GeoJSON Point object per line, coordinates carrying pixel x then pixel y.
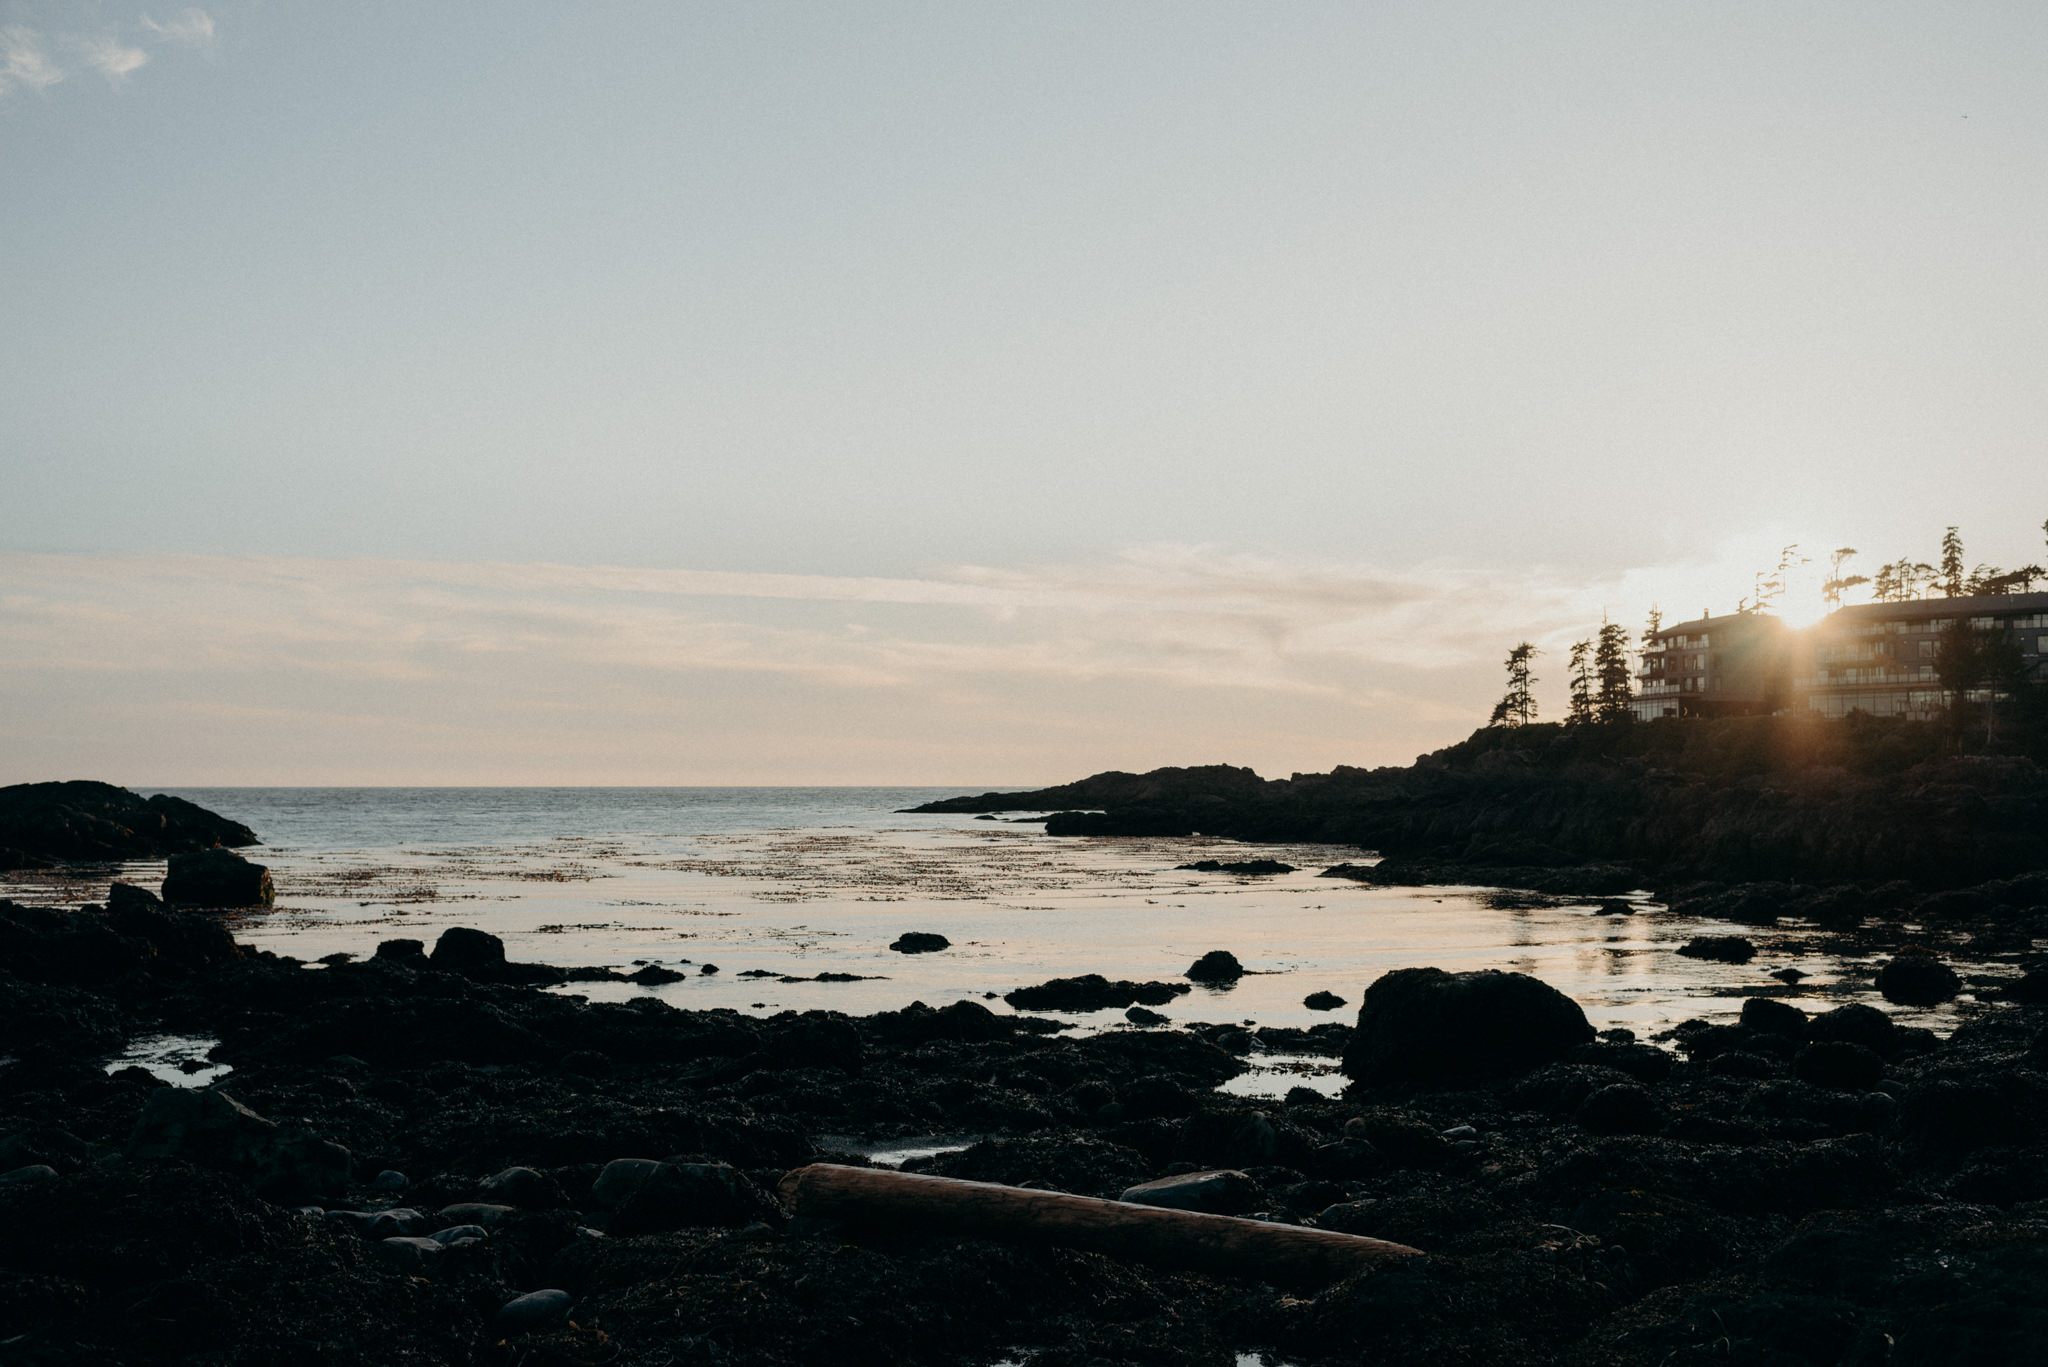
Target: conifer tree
{"type": "Point", "coordinates": [1952, 564]}
{"type": "Point", "coordinates": [1610, 670]}
{"type": "Point", "coordinates": [1580, 710]}
{"type": "Point", "coordinates": [1518, 706]}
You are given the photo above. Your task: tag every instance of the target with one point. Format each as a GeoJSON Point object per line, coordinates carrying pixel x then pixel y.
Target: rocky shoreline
{"type": "Point", "coordinates": [430, 1157]}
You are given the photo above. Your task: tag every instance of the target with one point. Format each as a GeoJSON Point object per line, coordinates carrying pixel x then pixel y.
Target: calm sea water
{"type": "Point", "coordinates": [768, 883]}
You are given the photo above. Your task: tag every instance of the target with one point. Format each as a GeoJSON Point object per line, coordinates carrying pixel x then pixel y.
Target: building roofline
{"type": "Point", "coordinates": [1973, 605]}
{"type": "Point", "coordinates": [1699, 624]}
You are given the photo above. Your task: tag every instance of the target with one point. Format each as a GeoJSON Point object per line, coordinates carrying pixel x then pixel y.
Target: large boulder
{"type": "Point", "coordinates": [213, 1130]}
{"type": "Point", "coordinates": [1423, 1025]}
{"type": "Point", "coordinates": [1914, 977]}
{"type": "Point", "coordinates": [217, 878]}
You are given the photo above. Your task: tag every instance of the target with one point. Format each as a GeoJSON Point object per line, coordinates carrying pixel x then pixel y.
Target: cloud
{"type": "Point", "coordinates": [26, 63]}
{"type": "Point", "coordinates": [192, 27]}
{"type": "Point", "coordinates": [109, 56]}
{"type": "Point", "coordinates": [570, 673]}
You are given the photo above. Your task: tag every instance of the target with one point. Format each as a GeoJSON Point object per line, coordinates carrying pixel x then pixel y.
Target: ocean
{"type": "Point", "coordinates": [775, 884]}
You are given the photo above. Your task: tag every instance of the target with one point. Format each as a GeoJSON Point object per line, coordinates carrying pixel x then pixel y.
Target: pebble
{"type": "Point", "coordinates": [34, 1172]}
{"type": "Point", "coordinates": [390, 1224]}
{"type": "Point", "coordinates": [459, 1234]}
{"type": "Point", "coordinates": [1457, 1132]}
{"type": "Point", "coordinates": [533, 1311]}
{"type": "Point", "coordinates": [412, 1254]}
{"type": "Point", "coordinates": [476, 1213]}
{"type": "Point", "coordinates": [390, 1180]}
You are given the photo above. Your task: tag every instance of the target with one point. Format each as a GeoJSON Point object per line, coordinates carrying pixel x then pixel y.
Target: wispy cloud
{"type": "Point", "coordinates": [191, 27]}
{"type": "Point", "coordinates": [109, 56]}
{"type": "Point", "coordinates": [29, 59]}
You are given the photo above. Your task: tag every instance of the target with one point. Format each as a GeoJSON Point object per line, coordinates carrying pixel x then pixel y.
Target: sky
{"type": "Point", "coordinates": [961, 393]}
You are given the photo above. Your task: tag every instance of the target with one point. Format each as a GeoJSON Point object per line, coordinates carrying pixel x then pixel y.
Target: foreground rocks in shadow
{"type": "Point", "coordinates": [492, 1173]}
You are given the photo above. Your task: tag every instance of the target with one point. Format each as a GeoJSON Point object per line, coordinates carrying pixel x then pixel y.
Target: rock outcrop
{"type": "Point", "coordinates": [83, 821]}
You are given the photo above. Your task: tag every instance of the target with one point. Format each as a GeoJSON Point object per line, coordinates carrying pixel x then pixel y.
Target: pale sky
{"type": "Point", "coordinates": [964, 393]}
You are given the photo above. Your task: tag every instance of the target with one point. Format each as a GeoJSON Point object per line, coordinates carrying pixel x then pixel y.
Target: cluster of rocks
{"type": "Point", "coordinates": [420, 1156]}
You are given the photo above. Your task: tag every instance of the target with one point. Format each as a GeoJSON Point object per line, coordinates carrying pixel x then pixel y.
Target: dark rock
{"type": "Point", "coordinates": [1742, 1063]}
{"type": "Point", "coordinates": [1404, 1142]}
{"type": "Point", "coordinates": [1726, 949]}
{"type": "Point", "coordinates": [1956, 1116]}
{"type": "Point", "coordinates": [1220, 1192]}
{"type": "Point", "coordinates": [1253, 867]}
{"type": "Point", "coordinates": [525, 1188]}
{"type": "Point", "coordinates": [817, 1039]}
{"type": "Point", "coordinates": [463, 949]}
{"type": "Point", "coordinates": [454, 1236]}
{"type": "Point", "coordinates": [2030, 988]}
{"type": "Point", "coordinates": [1217, 966]}
{"type": "Point", "coordinates": [402, 950]}
{"type": "Point", "coordinates": [1423, 1024]}
{"type": "Point", "coordinates": [411, 1254]}
{"type": "Point", "coordinates": [1857, 1023]}
{"type": "Point", "coordinates": [1960, 904]}
{"type": "Point", "coordinates": [1644, 1063]}
{"type": "Point", "coordinates": [654, 975]}
{"type": "Point", "coordinates": [214, 1130]}
{"type": "Point", "coordinates": [128, 897]}
{"type": "Point", "coordinates": [920, 942]}
{"type": "Point", "coordinates": [217, 878]}
{"type": "Point", "coordinates": [390, 1180]}
{"type": "Point", "coordinates": [487, 1214]}
{"type": "Point", "coordinates": [1623, 1108]}
{"type": "Point", "coordinates": [1917, 979]}
{"type": "Point", "coordinates": [1138, 1015]}
{"type": "Point", "coordinates": [1768, 1016]}
{"type": "Point", "coordinates": [534, 1312]}
{"type": "Point", "coordinates": [1157, 1095]}
{"type": "Point", "coordinates": [86, 821]}
{"type": "Point", "coordinates": [1839, 1064]}
{"type": "Point", "coordinates": [652, 1198]}
{"type": "Point", "coordinates": [1322, 1001]}
{"type": "Point", "coordinates": [34, 1172]}
{"type": "Point", "coordinates": [1092, 992]}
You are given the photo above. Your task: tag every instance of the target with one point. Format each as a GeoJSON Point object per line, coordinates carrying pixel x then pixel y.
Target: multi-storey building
{"type": "Point", "coordinates": [1716, 667]}
{"type": "Point", "coordinates": [1879, 658]}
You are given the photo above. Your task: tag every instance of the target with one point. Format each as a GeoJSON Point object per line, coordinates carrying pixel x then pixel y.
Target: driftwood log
{"type": "Point", "coordinates": [1290, 1254]}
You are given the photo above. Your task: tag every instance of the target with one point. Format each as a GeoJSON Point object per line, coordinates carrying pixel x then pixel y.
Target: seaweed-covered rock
{"type": "Point", "coordinates": [1913, 978]}
{"type": "Point", "coordinates": [1726, 949]}
{"type": "Point", "coordinates": [1425, 1025]}
{"type": "Point", "coordinates": [214, 1130]}
{"type": "Point", "coordinates": [217, 878]}
{"type": "Point", "coordinates": [1092, 992]}
{"type": "Point", "coordinates": [919, 942]}
{"type": "Point", "coordinates": [1218, 966]}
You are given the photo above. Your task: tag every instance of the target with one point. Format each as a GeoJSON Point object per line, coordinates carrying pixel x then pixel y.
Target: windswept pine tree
{"type": "Point", "coordinates": [1611, 673]}
{"type": "Point", "coordinates": [1838, 583]}
{"type": "Point", "coordinates": [1517, 706]}
{"type": "Point", "coordinates": [1580, 710]}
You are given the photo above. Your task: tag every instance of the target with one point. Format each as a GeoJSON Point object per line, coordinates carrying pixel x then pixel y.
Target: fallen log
{"type": "Point", "coordinates": [1290, 1254]}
